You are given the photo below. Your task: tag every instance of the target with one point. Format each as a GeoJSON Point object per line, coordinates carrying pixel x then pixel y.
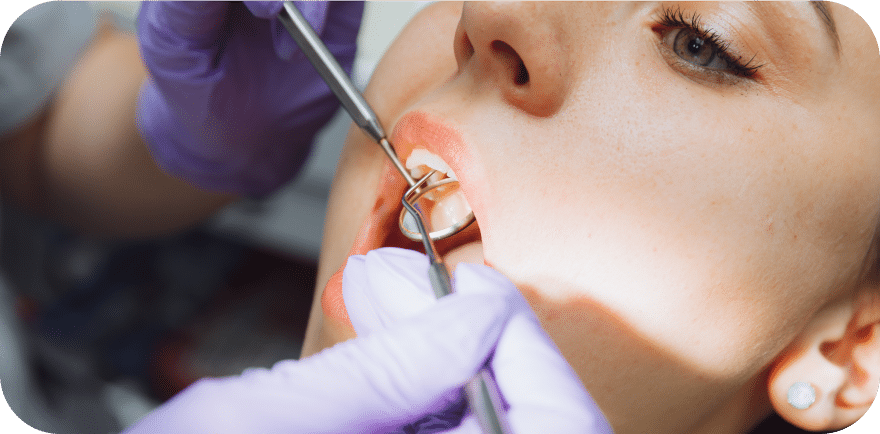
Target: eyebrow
{"type": "Point", "coordinates": [825, 17]}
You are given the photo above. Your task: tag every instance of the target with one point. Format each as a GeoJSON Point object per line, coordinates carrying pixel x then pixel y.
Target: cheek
{"type": "Point", "coordinates": [698, 230]}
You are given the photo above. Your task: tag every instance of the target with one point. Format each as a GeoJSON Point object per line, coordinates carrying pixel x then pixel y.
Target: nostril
{"type": "Point", "coordinates": [512, 61]}
{"type": "Point", "coordinates": [522, 74]}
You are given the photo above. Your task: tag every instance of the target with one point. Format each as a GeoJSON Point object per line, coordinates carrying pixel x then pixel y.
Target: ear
{"type": "Point", "coordinates": [838, 354]}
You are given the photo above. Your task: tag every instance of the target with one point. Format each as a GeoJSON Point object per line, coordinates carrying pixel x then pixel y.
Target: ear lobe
{"type": "Point", "coordinates": [838, 353]}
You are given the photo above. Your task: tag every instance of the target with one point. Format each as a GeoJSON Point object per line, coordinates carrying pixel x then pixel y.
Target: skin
{"type": "Point", "coordinates": [82, 161]}
{"type": "Point", "coordinates": [681, 233]}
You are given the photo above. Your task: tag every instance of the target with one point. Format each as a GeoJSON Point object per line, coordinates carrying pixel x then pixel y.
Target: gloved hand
{"type": "Point", "coordinates": [372, 384]}
{"type": "Point", "coordinates": [388, 287]}
{"type": "Point", "coordinates": [231, 103]}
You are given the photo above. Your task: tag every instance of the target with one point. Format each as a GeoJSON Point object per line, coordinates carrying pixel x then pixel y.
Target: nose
{"type": "Point", "coordinates": [517, 48]}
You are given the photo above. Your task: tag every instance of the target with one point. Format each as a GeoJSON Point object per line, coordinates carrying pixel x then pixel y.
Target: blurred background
{"type": "Point", "coordinates": [104, 331]}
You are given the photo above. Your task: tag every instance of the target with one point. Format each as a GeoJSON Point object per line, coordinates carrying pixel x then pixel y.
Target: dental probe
{"type": "Point", "coordinates": [481, 391]}
{"type": "Point", "coordinates": [329, 69]}
{"type": "Point", "coordinates": [356, 106]}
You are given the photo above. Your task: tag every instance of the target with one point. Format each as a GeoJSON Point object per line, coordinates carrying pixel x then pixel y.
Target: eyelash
{"type": "Point", "coordinates": [676, 19]}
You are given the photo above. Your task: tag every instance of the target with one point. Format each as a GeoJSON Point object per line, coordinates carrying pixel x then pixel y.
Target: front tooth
{"type": "Point", "coordinates": [420, 158]}
{"type": "Point", "coordinates": [435, 177]}
{"type": "Point", "coordinates": [420, 162]}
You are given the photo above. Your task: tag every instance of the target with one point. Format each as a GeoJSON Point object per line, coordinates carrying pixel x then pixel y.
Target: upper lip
{"type": "Point", "coordinates": [420, 130]}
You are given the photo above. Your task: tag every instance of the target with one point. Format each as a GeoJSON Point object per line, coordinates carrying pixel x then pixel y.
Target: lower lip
{"type": "Point", "coordinates": [332, 302]}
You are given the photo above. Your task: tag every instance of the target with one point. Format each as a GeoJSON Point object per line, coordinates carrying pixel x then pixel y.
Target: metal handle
{"type": "Point", "coordinates": [485, 403]}
{"type": "Point", "coordinates": [330, 71]}
{"type": "Point", "coordinates": [481, 391]}
{"type": "Point", "coordinates": [327, 66]}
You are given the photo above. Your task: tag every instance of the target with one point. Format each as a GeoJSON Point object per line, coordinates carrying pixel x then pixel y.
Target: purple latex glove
{"type": "Point", "coordinates": [372, 384]}
{"type": "Point", "coordinates": [388, 287]}
{"type": "Point", "coordinates": [231, 103]}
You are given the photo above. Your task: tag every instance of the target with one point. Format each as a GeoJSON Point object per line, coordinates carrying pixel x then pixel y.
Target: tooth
{"type": "Point", "coordinates": [444, 211]}
{"type": "Point", "coordinates": [449, 210]}
{"type": "Point", "coordinates": [418, 172]}
{"type": "Point", "coordinates": [435, 177]}
{"type": "Point", "coordinates": [421, 157]}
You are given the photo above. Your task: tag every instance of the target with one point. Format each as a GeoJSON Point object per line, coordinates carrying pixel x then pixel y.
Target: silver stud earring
{"type": "Point", "coordinates": [801, 395]}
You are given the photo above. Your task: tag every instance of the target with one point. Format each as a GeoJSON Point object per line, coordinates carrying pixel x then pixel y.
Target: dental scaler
{"type": "Point", "coordinates": [366, 119]}
{"type": "Point", "coordinates": [481, 391]}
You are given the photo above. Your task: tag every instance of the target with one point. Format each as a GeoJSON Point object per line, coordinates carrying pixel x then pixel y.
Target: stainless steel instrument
{"type": "Point", "coordinates": [481, 391]}
{"type": "Point", "coordinates": [363, 115]}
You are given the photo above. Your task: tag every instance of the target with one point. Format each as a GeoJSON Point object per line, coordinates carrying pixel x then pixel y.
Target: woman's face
{"type": "Point", "coordinates": [676, 188]}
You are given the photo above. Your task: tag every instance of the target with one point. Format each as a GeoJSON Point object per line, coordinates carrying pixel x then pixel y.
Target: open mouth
{"type": "Point", "coordinates": [423, 145]}
{"type": "Point", "coordinates": [442, 204]}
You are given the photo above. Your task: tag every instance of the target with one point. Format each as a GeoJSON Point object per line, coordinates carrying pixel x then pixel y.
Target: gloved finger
{"type": "Point", "coordinates": [542, 390]}
{"type": "Point", "coordinates": [417, 366]}
{"type": "Point", "coordinates": [196, 24]}
{"type": "Point", "coordinates": [264, 9]}
{"type": "Point", "coordinates": [367, 385]}
{"type": "Point", "coordinates": [385, 286]}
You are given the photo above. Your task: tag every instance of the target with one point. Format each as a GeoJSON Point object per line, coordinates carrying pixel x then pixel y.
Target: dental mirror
{"type": "Point", "coordinates": [441, 203]}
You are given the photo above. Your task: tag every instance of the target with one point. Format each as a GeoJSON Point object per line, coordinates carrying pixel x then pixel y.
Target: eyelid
{"type": "Point", "coordinates": [669, 18]}
{"type": "Point", "coordinates": [698, 73]}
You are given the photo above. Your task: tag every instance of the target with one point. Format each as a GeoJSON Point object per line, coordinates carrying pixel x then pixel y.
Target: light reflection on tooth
{"type": "Point", "coordinates": [449, 211]}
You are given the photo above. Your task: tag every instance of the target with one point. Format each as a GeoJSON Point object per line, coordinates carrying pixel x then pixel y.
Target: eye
{"type": "Point", "coordinates": [701, 51]}
{"type": "Point", "coordinates": [693, 48]}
